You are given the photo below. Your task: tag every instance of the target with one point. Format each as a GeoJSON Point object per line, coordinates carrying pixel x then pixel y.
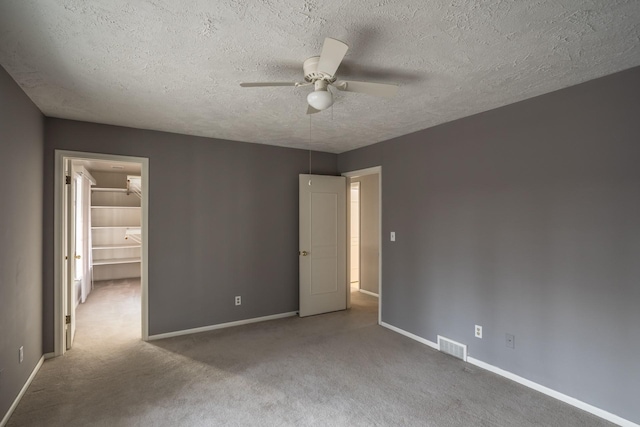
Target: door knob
{"type": "Point", "coordinates": [303, 253]}
{"type": "Point", "coordinates": [77, 256]}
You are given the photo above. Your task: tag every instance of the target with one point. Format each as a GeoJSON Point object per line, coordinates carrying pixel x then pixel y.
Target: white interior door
{"type": "Point", "coordinates": [322, 253]}
{"type": "Point", "coordinates": [70, 276]}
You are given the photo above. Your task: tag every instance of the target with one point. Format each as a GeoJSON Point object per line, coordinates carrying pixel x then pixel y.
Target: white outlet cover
{"type": "Point", "coordinates": [478, 331]}
{"type": "Point", "coordinates": [393, 236]}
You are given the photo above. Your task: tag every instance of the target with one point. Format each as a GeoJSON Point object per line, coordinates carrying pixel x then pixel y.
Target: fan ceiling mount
{"type": "Point", "coordinates": [320, 71]}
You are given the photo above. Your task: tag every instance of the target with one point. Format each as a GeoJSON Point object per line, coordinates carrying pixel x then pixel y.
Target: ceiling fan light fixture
{"type": "Point", "coordinates": [320, 71]}
{"type": "Point", "coordinates": [320, 99]}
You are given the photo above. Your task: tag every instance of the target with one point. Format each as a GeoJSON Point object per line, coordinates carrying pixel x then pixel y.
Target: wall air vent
{"type": "Point", "coordinates": [452, 348]}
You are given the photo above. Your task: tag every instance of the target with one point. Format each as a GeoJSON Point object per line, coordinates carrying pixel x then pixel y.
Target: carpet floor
{"type": "Point", "coordinates": [337, 369]}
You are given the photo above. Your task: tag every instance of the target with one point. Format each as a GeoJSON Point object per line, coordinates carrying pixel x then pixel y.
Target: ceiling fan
{"type": "Point", "coordinates": [320, 71]}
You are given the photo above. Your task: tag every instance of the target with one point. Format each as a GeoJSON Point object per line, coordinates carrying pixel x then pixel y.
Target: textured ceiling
{"type": "Point", "coordinates": [176, 65]}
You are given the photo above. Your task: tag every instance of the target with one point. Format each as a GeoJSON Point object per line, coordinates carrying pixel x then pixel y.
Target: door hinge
{"type": "Point", "coordinates": [67, 179]}
{"type": "Point", "coordinates": [67, 319]}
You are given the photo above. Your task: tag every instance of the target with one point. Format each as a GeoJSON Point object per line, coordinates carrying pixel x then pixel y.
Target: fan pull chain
{"type": "Point", "coordinates": [309, 147]}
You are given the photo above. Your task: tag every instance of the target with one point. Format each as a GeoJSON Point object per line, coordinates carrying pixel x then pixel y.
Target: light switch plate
{"type": "Point", "coordinates": [393, 236]}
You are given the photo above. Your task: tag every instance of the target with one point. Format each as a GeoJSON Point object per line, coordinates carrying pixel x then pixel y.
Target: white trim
{"type": "Point", "coordinates": [221, 326]}
{"type": "Point", "coordinates": [348, 243]}
{"type": "Point", "coordinates": [58, 252]}
{"type": "Point", "coordinates": [525, 382]}
{"type": "Point", "coordinates": [410, 335]}
{"type": "Point", "coordinates": [368, 293]}
{"type": "Point", "coordinates": [49, 355]}
{"type": "Point", "coordinates": [26, 385]}
{"type": "Point", "coordinates": [555, 394]}
{"type": "Point", "coordinates": [144, 262]}
{"type": "Point", "coordinates": [361, 172]}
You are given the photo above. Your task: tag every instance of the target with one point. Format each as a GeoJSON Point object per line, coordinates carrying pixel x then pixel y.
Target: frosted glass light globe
{"type": "Point", "coordinates": [320, 99]}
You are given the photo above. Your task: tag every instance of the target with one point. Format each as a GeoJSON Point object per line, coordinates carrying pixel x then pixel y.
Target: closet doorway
{"type": "Point", "coordinates": [354, 235]}
{"type": "Point", "coordinates": [364, 240]}
{"type": "Point", "coordinates": [101, 212]}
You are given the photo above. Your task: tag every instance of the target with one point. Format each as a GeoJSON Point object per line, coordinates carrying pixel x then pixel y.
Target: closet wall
{"type": "Point", "coordinates": [115, 224]}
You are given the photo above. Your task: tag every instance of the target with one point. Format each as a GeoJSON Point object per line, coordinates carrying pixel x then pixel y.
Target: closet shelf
{"type": "Point", "coordinates": [115, 207]}
{"type": "Point", "coordinates": [116, 261]}
{"type": "Point", "coordinates": [114, 226]}
{"type": "Point", "coordinates": [108, 189]}
{"type": "Point", "coordinates": [116, 246]}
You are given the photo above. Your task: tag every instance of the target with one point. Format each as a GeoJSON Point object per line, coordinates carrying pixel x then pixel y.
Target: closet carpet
{"type": "Point", "coordinates": [337, 369]}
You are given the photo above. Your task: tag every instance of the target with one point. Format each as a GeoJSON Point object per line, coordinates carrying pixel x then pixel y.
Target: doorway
{"type": "Point", "coordinates": [365, 244]}
{"type": "Point", "coordinates": [354, 232]}
{"type": "Point", "coordinates": [100, 235]}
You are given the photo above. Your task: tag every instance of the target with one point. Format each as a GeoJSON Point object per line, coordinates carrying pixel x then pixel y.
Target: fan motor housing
{"type": "Point", "coordinates": [311, 73]}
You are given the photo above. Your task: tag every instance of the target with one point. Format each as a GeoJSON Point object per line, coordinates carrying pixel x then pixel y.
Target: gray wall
{"type": "Point", "coordinates": [369, 232]}
{"type": "Point", "coordinates": [223, 221]}
{"type": "Point", "coordinates": [525, 220]}
{"type": "Point", "coordinates": [21, 147]}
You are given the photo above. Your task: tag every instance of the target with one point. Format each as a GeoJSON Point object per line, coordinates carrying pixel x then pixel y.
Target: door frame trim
{"type": "Point", "coordinates": [59, 288]}
{"type": "Point", "coordinates": [353, 174]}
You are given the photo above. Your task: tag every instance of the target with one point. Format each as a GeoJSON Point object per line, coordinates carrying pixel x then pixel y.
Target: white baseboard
{"type": "Point", "coordinates": [555, 394]}
{"type": "Point", "coordinates": [26, 385]}
{"type": "Point", "coordinates": [368, 293]}
{"type": "Point", "coordinates": [220, 326]}
{"type": "Point", "coordinates": [520, 380]}
{"type": "Point", "coordinates": [410, 335]}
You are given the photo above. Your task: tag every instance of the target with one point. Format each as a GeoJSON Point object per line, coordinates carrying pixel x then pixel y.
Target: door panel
{"type": "Point", "coordinates": [70, 303]}
{"type": "Point", "coordinates": [325, 274]}
{"type": "Point", "coordinates": [323, 278]}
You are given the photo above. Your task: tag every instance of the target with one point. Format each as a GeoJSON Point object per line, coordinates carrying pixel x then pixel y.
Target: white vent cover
{"type": "Point", "coordinates": [453, 348]}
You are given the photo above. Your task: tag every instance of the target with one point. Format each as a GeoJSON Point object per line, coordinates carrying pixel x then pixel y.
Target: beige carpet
{"type": "Point", "coordinates": [338, 369]}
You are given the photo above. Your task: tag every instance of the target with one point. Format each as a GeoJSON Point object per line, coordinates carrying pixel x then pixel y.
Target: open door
{"type": "Point", "coordinates": [70, 256]}
{"type": "Point", "coordinates": [322, 253]}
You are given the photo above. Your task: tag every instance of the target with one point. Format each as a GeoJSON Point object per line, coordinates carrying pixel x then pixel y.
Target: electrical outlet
{"type": "Point", "coordinates": [21, 353]}
{"type": "Point", "coordinates": [478, 331]}
{"type": "Point", "coordinates": [238, 300]}
{"type": "Point", "coordinates": [510, 341]}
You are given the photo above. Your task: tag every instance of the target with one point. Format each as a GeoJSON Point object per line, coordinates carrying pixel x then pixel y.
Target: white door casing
{"type": "Point", "coordinates": [322, 251]}
{"type": "Point", "coordinates": [354, 233]}
{"type": "Point", "coordinates": [60, 237]}
{"type": "Point", "coordinates": [370, 171]}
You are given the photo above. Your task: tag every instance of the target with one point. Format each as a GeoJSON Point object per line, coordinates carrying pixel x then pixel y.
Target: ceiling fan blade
{"type": "Point", "coordinates": [333, 51]}
{"type": "Point", "coordinates": [311, 110]}
{"type": "Point", "coordinates": [376, 89]}
{"type": "Point", "coordinates": [267, 84]}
